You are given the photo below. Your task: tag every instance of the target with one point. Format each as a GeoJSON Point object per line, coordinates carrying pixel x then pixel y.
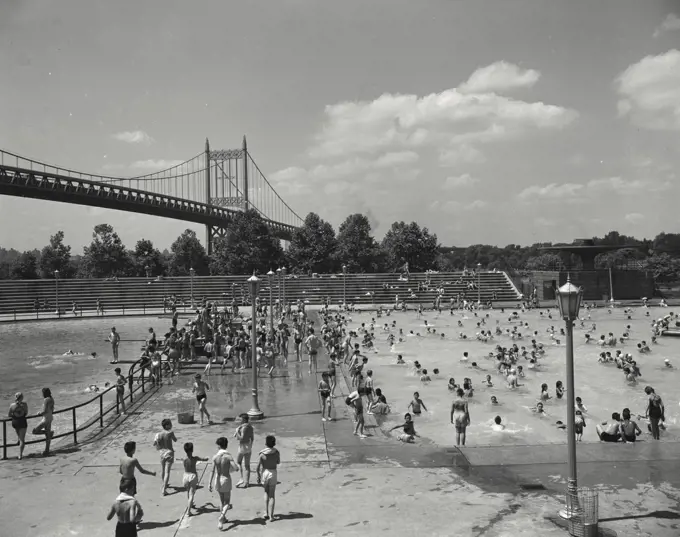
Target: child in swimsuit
{"type": "Point", "coordinates": [579, 424]}
{"type": "Point", "coordinates": [416, 404]}
{"type": "Point", "coordinates": [163, 443]}
{"type": "Point", "coordinates": [267, 467]}
{"type": "Point", "coordinates": [325, 394]}
{"type": "Point", "coordinates": [190, 478]}
{"type": "Point", "coordinates": [128, 464]}
{"type": "Point", "coordinates": [408, 426]}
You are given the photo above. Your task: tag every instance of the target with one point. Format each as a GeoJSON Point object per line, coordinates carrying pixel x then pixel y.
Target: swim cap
{"type": "Point", "coordinates": [18, 396]}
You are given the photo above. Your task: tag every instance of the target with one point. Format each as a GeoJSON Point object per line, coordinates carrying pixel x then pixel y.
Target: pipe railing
{"type": "Point", "coordinates": [70, 413]}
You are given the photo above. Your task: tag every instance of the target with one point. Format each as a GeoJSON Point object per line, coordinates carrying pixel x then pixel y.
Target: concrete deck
{"type": "Point", "coordinates": [331, 482]}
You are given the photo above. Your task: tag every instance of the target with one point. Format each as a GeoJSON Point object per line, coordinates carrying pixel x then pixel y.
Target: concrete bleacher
{"type": "Point", "coordinates": [18, 296]}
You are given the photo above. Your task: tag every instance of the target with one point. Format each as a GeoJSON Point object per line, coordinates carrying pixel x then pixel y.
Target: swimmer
{"type": "Point", "coordinates": [425, 377]}
{"type": "Point", "coordinates": [190, 478]}
{"type": "Point", "coordinates": [487, 381]}
{"type": "Point", "coordinates": [452, 384]}
{"type": "Point", "coordinates": [400, 359]}
{"type": "Point", "coordinates": [408, 426]}
{"type": "Point", "coordinates": [223, 465]}
{"type": "Point", "coordinates": [538, 409]}
{"type": "Point", "coordinates": [416, 404]}
{"type": "Point", "coordinates": [667, 363]}
{"type": "Point", "coordinates": [494, 400]}
{"type": "Point", "coordinates": [246, 437]}
{"type": "Point", "coordinates": [127, 467]}
{"type": "Point", "coordinates": [497, 425]}
{"type": "Point", "coordinates": [579, 425]}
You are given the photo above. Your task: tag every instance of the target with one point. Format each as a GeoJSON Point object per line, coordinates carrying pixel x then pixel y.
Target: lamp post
{"type": "Point", "coordinates": [270, 274]}
{"type": "Point", "coordinates": [344, 286]}
{"type": "Point", "coordinates": [191, 273]}
{"type": "Point", "coordinates": [254, 413]}
{"type": "Point", "coordinates": [278, 276]}
{"type": "Point", "coordinates": [283, 290]}
{"type": "Point", "coordinates": [569, 302]}
{"type": "Point", "coordinates": [56, 290]}
{"type": "Point", "coordinates": [147, 269]}
{"type": "Point", "coordinates": [479, 284]}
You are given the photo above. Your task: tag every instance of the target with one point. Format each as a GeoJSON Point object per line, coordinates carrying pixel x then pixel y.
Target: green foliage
{"type": "Point", "coordinates": [56, 256]}
{"type": "Point", "coordinates": [313, 247]}
{"type": "Point", "coordinates": [25, 267]}
{"type": "Point", "coordinates": [106, 256]}
{"type": "Point", "coordinates": [188, 252]}
{"type": "Point", "coordinates": [357, 249]}
{"type": "Point", "coordinates": [408, 243]}
{"type": "Point", "coordinates": [147, 258]}
{"type": "Point", "coordinates": [545, 262]}
{"type": "Point", "coordinates": [248, 246]}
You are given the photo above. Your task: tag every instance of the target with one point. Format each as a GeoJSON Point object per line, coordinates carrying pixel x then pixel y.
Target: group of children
{"type": "Point", "coordinates": [129, 511]}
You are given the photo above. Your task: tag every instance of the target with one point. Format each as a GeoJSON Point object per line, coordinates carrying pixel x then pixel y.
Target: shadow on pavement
{"type": "Point", "coordinates": [258, 521]}
{"type": "Point", "coordinates": [293, 516]}
{"type": "Point", "coordinates": [670, 515]}
{"type": "Point", "coordinates": [154, 525]}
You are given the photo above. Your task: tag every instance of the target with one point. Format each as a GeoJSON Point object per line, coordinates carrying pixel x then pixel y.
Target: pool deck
{"type": "Point", "coordinates": [333, 483]}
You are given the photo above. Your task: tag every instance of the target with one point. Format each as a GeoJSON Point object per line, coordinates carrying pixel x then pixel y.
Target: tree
{"type": "Point", "coordinates": [146, 256]}
{"type": "Point", "coordinates": [667, 243]}
{"type": "Point", "coordinates": [545, 262]}
{"type": "Point", "coordinates": [188, 252]}
{"type": "Point", "coordinates": [106, 256]}
{"type": "Point", "coordinates": [56, 256]}
{"type": "Point", "coordinates": [313, 246]}
{"type": "Point", "coordinates": [356, 247]}
{"type": "Point", "coordinates": [663, 267]}
{"type": "Point", "coordinates": [25, 267]}
{"type": "Point", "coordinates": [618, 258]}
{"type": "Point", "coordinates": [408, 243]}
{"type": "Point", "coordinates": [248, 246]}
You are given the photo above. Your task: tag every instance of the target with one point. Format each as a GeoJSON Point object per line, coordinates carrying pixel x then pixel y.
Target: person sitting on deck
{"type": "Point", "coordinates": [609, 431]}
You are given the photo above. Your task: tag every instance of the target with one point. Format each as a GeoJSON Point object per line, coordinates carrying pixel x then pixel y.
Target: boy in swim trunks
{"type": "Point", "coordinates": [408, 426]}
{"type": "Point", "coordinates": [313, 344]}
{"type": "Point", "coordinates": [325, 394]}
{"type": "Point", "coordinates": [163, 443]}
{"type": "Point", "coordinates": [190, 478]}
{"type": "Point", "coordinates": [245, 436]}
{"type": "Point", "coordinates": [270, 458]}
{"type": "Point", "coordinates": [128, 463]}
{"type": "Point", "coordinates": [223, 464]}
{"type": "Point", "coordinates": [416, 404]}
{"type": "Point", "coordinates": [199, 388]}
{"type": "Point", "coordinates": [129, 512]}
{"type": "Point", "coordinates": [120, 388]}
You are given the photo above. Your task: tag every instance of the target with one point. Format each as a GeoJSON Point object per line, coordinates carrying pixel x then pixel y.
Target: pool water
{"type": "Point", "coordinates": [32, 357]}
{"type": "Point", "coordinates": [602, 387]}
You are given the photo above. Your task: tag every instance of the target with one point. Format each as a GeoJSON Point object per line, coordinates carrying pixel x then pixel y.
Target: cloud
{"type": "Point", "coordinates": [456, 206]}
{"type": "Point", "coordinates": [154, 165]}
{"type": "Point", "coordinates": [460, 181]}
{"type": "Point", "coordinates": [134, 137]}
{"type": "Point", "coordinates": [500, 76]}
{"type": "Point", "coordinates": [463, 154]}
{"type": "Point", "coordinates": [669, 24]}
{"type": "Point", "coordinates": [551, 191]}
{"type": "Point", "coordinates": [605, 186]}
{"type": "Point", "coordinates": [634, 218]}
{"type": "Point", "coordinates": [648, 92]}
{"type": "Point", "coordinates": [448, 117]}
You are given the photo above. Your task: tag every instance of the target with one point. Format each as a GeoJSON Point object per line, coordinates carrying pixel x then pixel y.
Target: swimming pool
{"type": "Point", "coordinates": [602, 387]}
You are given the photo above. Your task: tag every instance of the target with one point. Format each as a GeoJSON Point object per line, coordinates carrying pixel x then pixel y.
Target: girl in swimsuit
{"type": "Point", "coordinates": [190, 479]}
{"type": "Point", "coordinates": [18, 412]}
{"type": "Point", "coordinates": [325, 393]}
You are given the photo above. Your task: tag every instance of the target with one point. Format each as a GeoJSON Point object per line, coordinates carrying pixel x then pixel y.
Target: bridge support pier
{"type": "Point", "coordinates": [212, 233]}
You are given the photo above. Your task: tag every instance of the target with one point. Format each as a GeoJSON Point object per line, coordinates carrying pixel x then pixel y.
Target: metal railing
{"type": "Point", "coordinates": [98, 418]}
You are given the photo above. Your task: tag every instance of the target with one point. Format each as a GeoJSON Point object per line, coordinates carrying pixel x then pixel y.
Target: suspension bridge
{"type": "Point", "coordinates": [209, 189]}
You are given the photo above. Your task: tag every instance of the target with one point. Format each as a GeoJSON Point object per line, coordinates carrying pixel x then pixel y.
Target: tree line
{"type": "Point", "coordinates": [316, 247]}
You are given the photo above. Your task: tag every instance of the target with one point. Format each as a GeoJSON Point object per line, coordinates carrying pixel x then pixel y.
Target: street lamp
{"type": "Point", "coordinates": [254, 413]}
{"type": "Point", "coordinates": [278, 275]}
{"type": "Point", "coordinates": [270, 274]}
{"type": "Point", "coordinates": [479, 284]}
{"type": "Point", "coordinates": [283, 291]}
{"type": "Point", "coordinates": [344, 286]}
{"type": "Point", "coordinates": [147, 269]}
{"type": "Point", "coordinates": [56, 289]}
{"type": "Point", "coordinates": [569, 302]}
{"type": "Point", "coordinates": [191, 273]}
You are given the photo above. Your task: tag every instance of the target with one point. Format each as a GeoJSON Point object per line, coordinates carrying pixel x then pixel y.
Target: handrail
{"type": "Point", "coordinates": [72, 409]}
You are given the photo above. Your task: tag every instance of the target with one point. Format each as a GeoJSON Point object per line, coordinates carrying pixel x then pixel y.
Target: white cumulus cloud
{"type": "Point", "coordinates": [133, 137]}
{"type": "Point", "coordinates": [460, 181]}
{"type": "Point", "coordinates": [649, 92]}
{"type": "Point", "coordinates": [498, 77]}
{"type": "Point", "coordinates": [634, 218]}
{"type": "Point", "coordinates": [669, 24]}
{"type": "Point", "coordinates": [550, 191]}
{"type": "Point", "coordinates": [154, 165]}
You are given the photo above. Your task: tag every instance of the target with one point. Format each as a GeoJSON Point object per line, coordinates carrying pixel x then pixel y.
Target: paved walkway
{"type": "Point", "coordinates": [331, 482]}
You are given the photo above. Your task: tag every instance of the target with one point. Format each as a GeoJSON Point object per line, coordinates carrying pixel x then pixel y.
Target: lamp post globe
{"type": "Point", "coordinates": [569, 303]}
{"type": "Point", "coordinates": [254, 284]}
{"type": "Point", "coordinates": [270, 275]}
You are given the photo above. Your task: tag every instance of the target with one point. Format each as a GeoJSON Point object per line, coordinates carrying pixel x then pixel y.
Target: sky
{"type": "Point", "coordinates": [487, 121]}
